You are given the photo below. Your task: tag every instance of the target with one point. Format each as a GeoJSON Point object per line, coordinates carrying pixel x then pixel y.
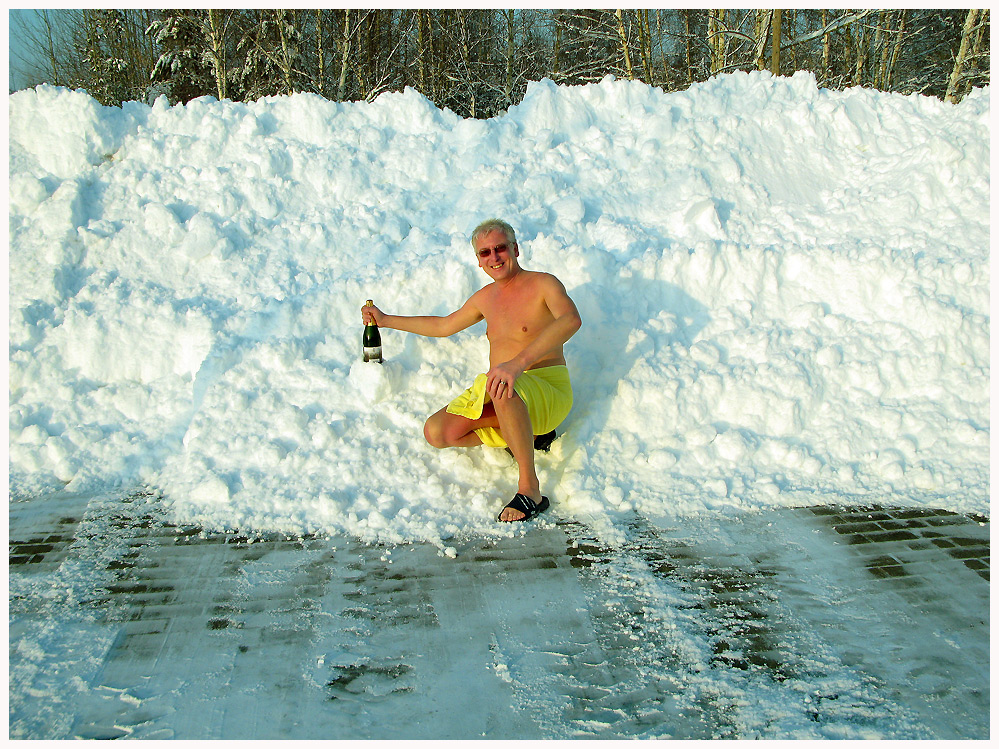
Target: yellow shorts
{"type": "Point", "coordinates": [546, 391]}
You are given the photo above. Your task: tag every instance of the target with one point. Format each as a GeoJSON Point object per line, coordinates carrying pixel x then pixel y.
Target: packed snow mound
{"type": "Point", "coordinates": [784, 293]}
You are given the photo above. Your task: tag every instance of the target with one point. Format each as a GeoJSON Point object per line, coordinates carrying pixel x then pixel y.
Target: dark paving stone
{"type": "Point", "coordinates": [921, 530]}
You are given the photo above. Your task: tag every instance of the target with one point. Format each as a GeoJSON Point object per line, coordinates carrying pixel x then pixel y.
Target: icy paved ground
{"type": "Point", "coordinates": [821, 622]}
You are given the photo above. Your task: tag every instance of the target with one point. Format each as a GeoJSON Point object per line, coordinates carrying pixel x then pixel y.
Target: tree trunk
{"type": "Point", "coordinates": [509, 55]}
{"type": "Point", "coordinates": [667, 78]}
{"type": "Point", "coordinates": [792, 50]}
{"type": "Point", "coordinates": [216, 39]}
{"type": "Point", "coordinates": [712, 34]}
{"type": "Point", "coordinates": [364, 60]}
{"type": "Point", "coordinates": [320, 56]}
{"type": "Point", "coordinates": [717, 41]}
{"type": "Point", "coordinates": [763, 21]}
{"type": "Point", "coordinates": [962, 53]}
{"type": "Point", "coordinates": [624, 44]}
{"type": "Point", "coordinates": [555, 49]}
{"type": "Point", "coordinates": [422, 52]}
{"type": "Point", "coordinates": [775, 49]}
{"type": "Point", "coordinates": [690, 63]}
{"type": "Point", "coordinates": [858, 73]}
{"type": "Point", "coordinates": [645, 43]}
{"type": "Point", "coordinates": [897, 48]}
{"type": "Point", "coordinates": [466, 57]}
{"type": "Point", "coordinates": [825, 46]}
{"type": "Point", "coordinates": [341, 88]}
{"type": "Point", "coordinates": [983, 23]}
{"type": "Point", "coordinates": [883, 48]}
{"type": "Point", "coordinates": [286, 56]}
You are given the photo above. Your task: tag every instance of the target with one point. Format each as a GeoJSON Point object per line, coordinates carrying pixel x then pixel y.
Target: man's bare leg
{"type": "Point", "coordinates": [515, 424]}
{"type": "Point", "coordinates": [449, 430]}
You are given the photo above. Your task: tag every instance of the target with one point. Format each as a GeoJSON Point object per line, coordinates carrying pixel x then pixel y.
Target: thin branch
{"type": "Point", "coordinates": [831, 26]}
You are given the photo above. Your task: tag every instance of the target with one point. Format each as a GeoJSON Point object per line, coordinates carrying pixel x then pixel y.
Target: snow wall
{"type": "Point", "coordinates": [784, 293]}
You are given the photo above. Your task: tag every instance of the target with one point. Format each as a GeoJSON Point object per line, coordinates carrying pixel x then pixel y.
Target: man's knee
{"type": "Point", "coordinates": [442, 430]}
{"type": "Point", "coordinates": [433, 432]}
{"type": "Point", "coordinates": [514, 407]}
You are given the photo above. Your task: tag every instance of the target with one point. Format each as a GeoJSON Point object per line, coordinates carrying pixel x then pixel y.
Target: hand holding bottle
{"type": "Point", "coordinates": [370, 314]}
{"type": "Point", "coordinates": [371, 341]}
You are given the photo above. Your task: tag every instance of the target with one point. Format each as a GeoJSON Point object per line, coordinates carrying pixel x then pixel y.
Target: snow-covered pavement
{"type": "Point", "coordinates": [785, 623]}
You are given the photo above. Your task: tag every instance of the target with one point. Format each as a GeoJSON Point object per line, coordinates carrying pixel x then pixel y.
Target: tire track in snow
{"type": "Point", "coordinates": [738, 632]}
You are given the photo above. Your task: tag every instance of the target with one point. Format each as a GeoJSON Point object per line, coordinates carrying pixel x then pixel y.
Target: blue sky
{"type": "Point", "coordinates": [17, 47]}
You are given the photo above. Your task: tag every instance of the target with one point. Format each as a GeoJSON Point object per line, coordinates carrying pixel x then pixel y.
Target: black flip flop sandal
{"type": "Point", "coordinates": [526, 505]}
{"type": "Point", "coordinates": [543, 442]}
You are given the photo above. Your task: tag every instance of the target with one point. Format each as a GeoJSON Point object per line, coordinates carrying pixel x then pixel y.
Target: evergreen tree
{"type": "Point", "coordinates": [181, 66]}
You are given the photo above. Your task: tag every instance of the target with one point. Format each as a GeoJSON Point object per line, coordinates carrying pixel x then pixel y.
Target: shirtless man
{"type": "Point", "coordinates": [526, 391]}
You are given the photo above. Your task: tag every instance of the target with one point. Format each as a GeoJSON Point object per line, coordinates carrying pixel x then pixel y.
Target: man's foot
{"type": "Point", "coordinates": [522, 507]}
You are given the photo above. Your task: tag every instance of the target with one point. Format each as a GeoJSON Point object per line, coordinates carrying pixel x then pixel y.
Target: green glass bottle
{"type": "Point", "coordinates": [372, 341]}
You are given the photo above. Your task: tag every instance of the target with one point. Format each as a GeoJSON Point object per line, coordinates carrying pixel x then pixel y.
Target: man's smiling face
{"type": "Point", "coordinates": [497, 256]}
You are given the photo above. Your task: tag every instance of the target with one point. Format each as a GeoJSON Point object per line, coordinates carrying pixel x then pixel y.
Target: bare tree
{"type": "Point", "coordinates": [775, 53]}
{"type": "Point", "coordinates": [717, 39]}
{"type": "Point", "coordinates": [511, 29]}
{"type": "Point", "coordinates": [216, 27]}
{"type": "Point", "coordinates": [41, 56]}
{"type": "Point", "coordinates": [113, 55]}
{"type": "Point", "coordinates": [645, 44]}
{"type": "Point", "coordinates": [479, 62]}
{"type": "Point", "coordinates": [970, 25]}
{"type": "Point", "coordinates": [764, 18]}
{"type": "Point", "coordinates": [624, 44]}
{"type": "Point", "coordinates": [590, 45]}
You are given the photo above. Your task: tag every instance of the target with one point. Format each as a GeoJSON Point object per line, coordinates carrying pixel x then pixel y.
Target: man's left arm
{"type": "Point", "coordinates": [564, 325]}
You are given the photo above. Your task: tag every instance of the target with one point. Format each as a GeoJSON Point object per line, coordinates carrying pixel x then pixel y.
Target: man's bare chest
{"type": "Point", "coordinates": [516, 316]}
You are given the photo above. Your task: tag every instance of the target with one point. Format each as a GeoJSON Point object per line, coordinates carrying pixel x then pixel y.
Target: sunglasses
{"type": "Point", "coordinates": [498, 249]}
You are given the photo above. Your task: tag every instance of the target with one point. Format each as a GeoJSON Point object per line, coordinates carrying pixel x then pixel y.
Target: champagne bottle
{"type": "Point", "coordinates": [372, 341]}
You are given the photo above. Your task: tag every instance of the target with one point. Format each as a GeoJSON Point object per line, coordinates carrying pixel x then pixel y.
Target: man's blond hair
{"type": "Point", "coordinates": [492, 224]}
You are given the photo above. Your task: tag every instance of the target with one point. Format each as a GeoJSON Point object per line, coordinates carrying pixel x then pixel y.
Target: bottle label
{"type": "Point", "coordinates": [373, 352]}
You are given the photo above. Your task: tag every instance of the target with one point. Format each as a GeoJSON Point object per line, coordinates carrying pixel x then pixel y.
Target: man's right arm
{"type": "Point", "coordinates": [433, 326]}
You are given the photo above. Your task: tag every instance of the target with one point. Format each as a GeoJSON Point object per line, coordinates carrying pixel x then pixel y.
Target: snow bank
{"type": "Point", "coordinates": [784, 293]}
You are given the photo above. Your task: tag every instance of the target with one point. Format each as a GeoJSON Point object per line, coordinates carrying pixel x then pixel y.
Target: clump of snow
{"type": "Point", "coordinates": [784, 289]}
